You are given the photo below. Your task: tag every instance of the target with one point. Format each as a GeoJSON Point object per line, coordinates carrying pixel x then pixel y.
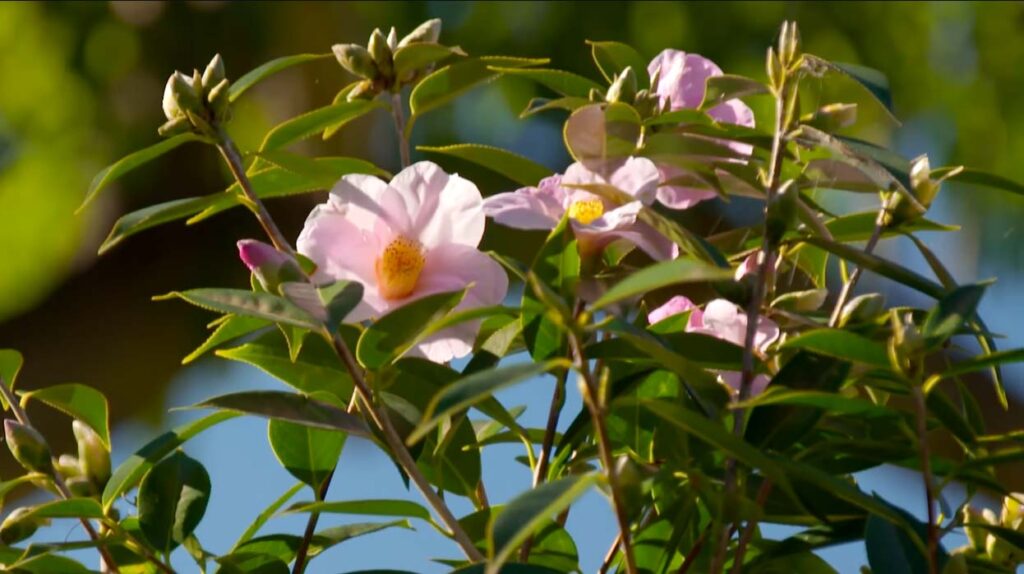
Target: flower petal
{"type": "Point", "coordinates": [443, 209]}
{"type": "Point", "coordinates": [370, 204]}
{"type": "Point", "coordinates": [675, 306]}
{"type": "Point", "coordinates": [724, 320]}
{"type": "Point", "coordinates": [680, 196]}
{"type": "Point", "coordinates": [682, 78]}
{"type": "Point", "coordinates": [343, 251]}
{"type": "Point", "coordinates": [734, 379]}
{"type": "Point", "coordinates": [538, 207]}
{"type": "Point", "coordinates": [733, 112]}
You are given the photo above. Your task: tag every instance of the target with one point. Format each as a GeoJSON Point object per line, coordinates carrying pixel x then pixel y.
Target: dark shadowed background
{"type": "Point", "coordinates": [82, 83]}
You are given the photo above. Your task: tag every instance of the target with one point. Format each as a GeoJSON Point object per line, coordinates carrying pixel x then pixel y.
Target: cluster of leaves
{"type": "Point", "coordinates": [691, 469]}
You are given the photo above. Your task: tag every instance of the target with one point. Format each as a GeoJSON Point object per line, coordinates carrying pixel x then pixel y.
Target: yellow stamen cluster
{"type": "Point", "coordinates": [586, 210]}
{"type": "Point", "coordinates": [398, 268]}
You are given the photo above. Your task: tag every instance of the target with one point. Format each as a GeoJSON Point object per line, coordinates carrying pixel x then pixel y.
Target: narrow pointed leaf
{"type": "Point", "coordinates": [251, 78]}
{"type": "Point", "coordinates": [613, 57]}
{"type": "Point", "coordinates": [381, 507]}
{"type": "Point", "coordinates": [663, 274]}
{"type": "Point", "coordinates": [560, 81]}
{"type": "Point", "coordinates": [841, 345]}
{"type": "Point", "coordinates": [511, 165]}
{"type": "Point", "coordinates": [10, 364]}
{"type": "Point", "coordinates": [118, 169]}
{"type": "Point", "coordinates": [81, 402]}
{"type": "Point", "coordinates": [289, 407]}
{"type": "Point", "coordinates": [252, 304]}
{"type": "Point", "coordinates": [388, 337]}
{"type": "Point", "coordinates": [316, 121]}
{"type": "Point", "coordinates": [267, 513]}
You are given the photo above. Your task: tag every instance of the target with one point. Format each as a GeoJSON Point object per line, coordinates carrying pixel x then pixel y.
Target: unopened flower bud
{"type": "Point", "coordinates": [82, 487]}
{"type": "Point", "coordinates": [214, 73]}
{"type": "Point", "coordinates": [179, 96]}
{"type": "Point", "coordinates": [68, 466]}
{"type": "Point", "coordinates": [624, 87]}
{"type": "Point", "coordinates": [28, 447]}
{"type": "Point", "coordinates": [789, 43]}
{"type": "Point", "coordinates": [220, 100]}
{"type": "Point", "coordinates": [1012, 516]}
{"type": "Point", "coordinates": [356, 59]}
{"type": "Point", "coordinates": [92, 454]}
{"type": "Point", "coordinates": [174, 127]}
{"type": "Point", "coordinates": [862, 308]}
{"type": "Point", "coordinates": [427, 32]}
{"type": "Point", "coordinates": [16, 527]}
{"type": "Point", "coordinates": [393, 39]}
{"type": "Point", "coordinates": [363, 90]}
{"type": "Point", "coordinates": [270, 266]}
{"type": "Point", "coordinates": [906, 336]}
{"type": "Point", "coordinates": [381, 53]}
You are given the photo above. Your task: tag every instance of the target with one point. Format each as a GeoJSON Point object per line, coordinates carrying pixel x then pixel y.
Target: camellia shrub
{"type": "Point", "coordinates": [728, 381]}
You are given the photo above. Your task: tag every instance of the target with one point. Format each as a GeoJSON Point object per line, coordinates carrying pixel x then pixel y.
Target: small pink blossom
{"type": "Point", "coordinates": [403, 240]}
{"type": "Point", "coordinates": [258, 255]}
{"type": "Point", "coordinates": [681, 84]}
{"type": "Point", "coordinates": [596, 221]}
{"type": "Point", "coordinates": [723, 320]}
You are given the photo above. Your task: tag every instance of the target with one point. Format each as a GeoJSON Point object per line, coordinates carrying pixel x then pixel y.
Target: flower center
{"type": "Point", "coordinates": [586, 210]}
{"type": "Point", "coordinates": [398, 268]}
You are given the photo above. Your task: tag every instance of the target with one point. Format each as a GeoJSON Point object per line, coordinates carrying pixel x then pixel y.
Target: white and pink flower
{"type": "Point", "coordinates": [595, 220]}
{"type": "Point", "coordinates": [723, 320]}
{"type": "Point", "coordinates": [681, 84]}
{"type": "Point", "coordinates": [403, 240]}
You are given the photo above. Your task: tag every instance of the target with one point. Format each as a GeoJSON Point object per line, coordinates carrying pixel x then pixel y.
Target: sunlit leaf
{"type": "Point", "coordinates": [316, 121]}
{"type": "Point", "coordinates": [560, 81]}
{"type": "Point", "coordinates": [81, 402]}
{"type": "Point", "coordinates": [251, 78]}
{"type": "Point", "coordinates": [841, 345]}
{"type": "Point", "coordinates": [369, 507]}
{"type": "Point", "coordinates": [252, 304]}
{"type": "Point", "coordinates": [511, 165]}
{"type": "Point", "coordinates": [662, 274]}
{"type": "Point", "coordinates": [129, 162]}
{"type": "Point", "coordinates": [613, 57]}
{"type": "Point", "coordinates": [267, 513]}
{"type": "Point", "coordinates": [10, 364]}
{"type": "Point", "coordinates": [289, 407]}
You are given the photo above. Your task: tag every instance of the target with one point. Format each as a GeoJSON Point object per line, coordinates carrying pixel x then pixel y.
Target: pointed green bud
{"type": "Point", "coordinates": [428, 32]}
{"type": "Point", "coordinates": [356, 59]}
{"type": "Point", "coordinates": [197, 85]}
{"type": "Point", "coordinates": [16, 527]}
{"type": "Point", "coordinates": [362, 90]}
{"type": "Point", "coordinates": [174, 127]}
{"type": "Point", "coordinates": [862, 309]}
{"type": "Point", "coordinates": [381, 53]}
{"type": "Point", "coordinates": [220, 100]}
{"type": "Point", "coordinates": [179, 95]}
{"type": "Point", "coordinates": [623, 88]}
{"type": "Point", "coordinates": [68, 466]}
{"type": "Point", "coordinates": [906, 336]}
{"type": "Point", "coordinates": [28, 447]}
{"type": "Point", "coordinates": [393, 39]}
{"type": "Point", "coordinates": [92, 454]}
{"type": "Point", "coordinates": [214, 72]}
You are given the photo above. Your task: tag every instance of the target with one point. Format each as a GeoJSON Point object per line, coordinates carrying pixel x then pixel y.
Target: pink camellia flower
{"type": "Point", "coordinates": [596, 221]}
{"type": "Point", "coordinates": [681, 84]}
{"type": "Point", "coordinates": [723, 320]}
{"type": "Point", "coordinates": [403, 240]}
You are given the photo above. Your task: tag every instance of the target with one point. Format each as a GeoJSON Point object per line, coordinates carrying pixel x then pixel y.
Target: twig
{"type": "Point", "coordinates": [748, 530]}
{"type": "Point", "coordinates": [378, 416]}
{"type": "Point", "coordinates": [597, 412]}
{"type": "Point", "coordinates": [926, 475]}
{"type": "Point", "coordinates": [610, 554]}
{"type": "Point", "coordinates": [399, 117]}
{"type": "Point", "coordinates": [58, 480]}
{"type": "Point", "coordinates": [307, 536]}
{"type": "Point", "coordinates": [691, 556]}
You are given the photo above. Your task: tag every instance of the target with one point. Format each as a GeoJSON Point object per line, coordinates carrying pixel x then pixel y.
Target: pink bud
{"type": "Point", "coordinates": [256, 254]}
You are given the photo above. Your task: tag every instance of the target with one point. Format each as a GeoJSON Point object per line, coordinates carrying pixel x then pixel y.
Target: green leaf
{"type": "Point", "coordinates": [289, 407]}
{"type": "Point", "coordinates": [267, 513]}
{"type": "Point", "coordinates": [329, 537]}
{"type": "Point", "coordinates": [309, 454]}
{"type": "Point", "coordinates": [71, 508]}
{"type": "Point", "coordinates": [538, 105]}
{"type": "Point", "coordinates": [251, 78]}
{"type": "Point", "coordinates": [513, 166]}
{"type": "Point", "coordinates": [477, 387]}
{"type": "Point", "coordinates": [984, 361]}
{"type": "Point", "coordinates": [602, 131]}
{"type": "Point", "coordinates": [564, 83]}
{"type": "Point", "coordinates": [251, 564]}
{"type": "Point", "coordinates": [10, 365]}
{"type": "Point", "coordinates": [317, 368]}
{"type": "Point", "coordinates": [382, 507]}
{"type": "Point", "coordinates": [232, 327]}
{"type": "Point", "coordinates": [891, 550]}
{"type": "Point", "coordinates": [172, 500]}
{"type": "Point", "coordinates": [453, 80]}
{"type": "Point", "coordinates": [952, 311]}
{"type": "Point", "coordinates": [833, 403]}
{"type": "Point", "coordinates": [249, 303]}
{"type": "Point", "coordinates": [881, 266]}
{"type": "Point", "coordinates": [972, 176]}
{"type": "Point", "coordinates": [340, 298]}
{"type": "Point", "coordinates": [505, 569]}
{"type": "Point", "coordinates": [781, 427]}
{"type": "Point", "coordinates": [613, 57]}
{"type": "Point", "coordinates": [870, 79]}
{"type": "Point", "coordinates": [128, 474]}
{"type": "Point", "coordinates": [390, 336]}
{"type": "Point", "coordinates": [311, 123]}
{"type": "Point", "coordinates": [526, 513]}
{"type": "Point", "coordinates": [841, 345]}
{"type": "Point", "coordinates": [131, 223]}
{"type": "Point", "coordinates": [118, 169]}
{"type": "Point", "coordinates": [725, 87]}
{"type": "Point", "coordinates": [81, 402]}
{"type": "Point", "coordinates": [662, 274]}
{"type": "Point", "coordinates": [413, 57]}
{"type": "Point", "coordinates": [556, 265]}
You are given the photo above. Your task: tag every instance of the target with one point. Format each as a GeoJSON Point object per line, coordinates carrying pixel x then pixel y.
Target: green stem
{"type": "Point", "coordinates": [844, 294]}
{"type": "Point", "coordinates": [921, 412]}
{"type": "Point", "coordinates": [300, 555]}
{"type": "Point", "coordinates": [398, 115]}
